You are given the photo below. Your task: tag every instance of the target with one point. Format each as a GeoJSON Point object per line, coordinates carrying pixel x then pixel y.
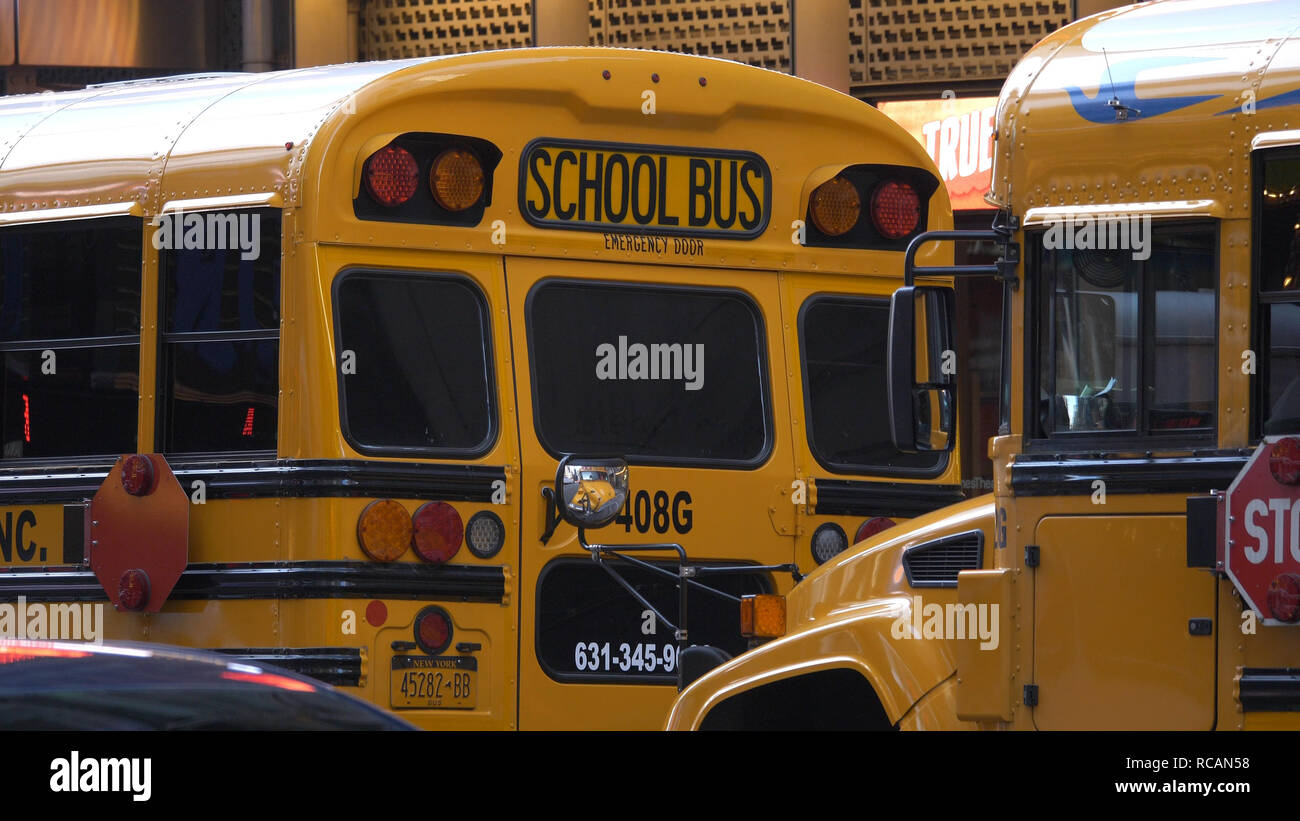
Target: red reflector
{"type": "Point", "coordinates": [1284, 597]}
{"type": "Point", "coordinates": [376, 613]}
{"type": "Point", "coordinates": [138, 475]}
{"type": "Point", "coordinates": [437, 532]}
{"type": "Point", "coordinates": [133, 590]}
{"type": "Point", "coordinates": [433, 630]}
{"type": "Point", "coordinates": [391, 175]}
{"type": "Point", "coordinates": [871, 527]}
{"type": "Point", "coordinates": [1284, 460]}
{"type": "Point", "coordinates": [27, 419]}
{"type": "Point", "coordinates": [895, 209]}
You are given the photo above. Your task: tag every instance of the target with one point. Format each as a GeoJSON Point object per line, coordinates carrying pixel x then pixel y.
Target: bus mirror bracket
{"type": "Point", "coordinates": [922, 410]}
{"type": "Point", "coordinates": [588, 493]}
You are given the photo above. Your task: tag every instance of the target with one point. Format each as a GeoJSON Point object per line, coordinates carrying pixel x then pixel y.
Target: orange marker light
{"type": "Point", "coordinates": [762, 616]}
{"type": "Point", "coordinates": [456, 179]}
{"type": "Point", "coordinates": [384, 530]}
{"type": "Point", "coordinates": [835, 207]}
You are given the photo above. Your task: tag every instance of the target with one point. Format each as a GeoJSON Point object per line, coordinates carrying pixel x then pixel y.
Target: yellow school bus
{"type": "Point", "coordinates": [1141, 571]}
{"type": "Point", "coordinates": [292, 360]}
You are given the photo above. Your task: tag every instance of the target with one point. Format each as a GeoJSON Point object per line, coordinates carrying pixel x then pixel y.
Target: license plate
{"type": "Point", "coordinates": [33, 535]}
{"type": "Point", "coordinates": [433, 683]}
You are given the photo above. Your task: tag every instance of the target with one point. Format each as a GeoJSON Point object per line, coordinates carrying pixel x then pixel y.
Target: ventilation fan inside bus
{"type": "Point", "coordinates": [1102, 269]}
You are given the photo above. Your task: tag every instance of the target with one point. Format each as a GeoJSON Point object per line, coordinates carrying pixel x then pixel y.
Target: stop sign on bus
{"type": "Point", "coordinates": [1262, 555]}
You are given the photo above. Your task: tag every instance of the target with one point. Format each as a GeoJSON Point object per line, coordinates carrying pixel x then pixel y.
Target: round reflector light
{"type": "Point", "coordinates": [138, 475]}
{"type": "Point", "coordinates": [384, 530]}
{"type": "Point", "coordinates": [133, 590]}
{"type": "Point", "coordinates": [456, 179]}
{"type": "Point", "coordinates": [485, 534]}
{"type": "Point", "coordinates": [391, 175]}
{"type": "Point", "coordinates": [437, 532]}
{"type": "Point", "coordinates": [827, 542]}
{"type": "Point", "coordinates": [433, 630]}
{"type": "Point", "coordinates": [835, 207]}
{"type": "Point", "coordinates": [895, 209]}
{"type": "Point", "coordinates": [1284, 598]}
{"type": "Point", "coordinates": [1284, 460]}
{"type": "Point", "coordinates": [871, 527]}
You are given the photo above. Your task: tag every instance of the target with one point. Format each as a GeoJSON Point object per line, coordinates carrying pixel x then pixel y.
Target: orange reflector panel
{"type": "Point", "coordinates": [384, 530]}
{"type": "Point", "coordinates": [762, 616]}
{"type": "Point", "coordinates": [456, 179]}
{"type": "Point", "coordinates": [835, 207]}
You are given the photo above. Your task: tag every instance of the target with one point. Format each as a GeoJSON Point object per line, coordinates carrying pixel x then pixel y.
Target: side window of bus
{"type": "Point", "coordinates": [1127, 339]}
{"type": "Point", "coordinates": [656, 374]}
{"type": "Point", "coordinates": [843, 341]}
{"type": "Point", "coordinates": [1277, 248]}
{"type": "Point", "coordinates": [415, 364]}
{"type": "Point", "coordinates": [218, 370]}
{"type": "Point", "coordinates": [70, 333]}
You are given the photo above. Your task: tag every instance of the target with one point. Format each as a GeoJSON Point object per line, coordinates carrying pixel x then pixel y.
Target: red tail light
{"type": "Point", "coordinates": [1284, 460]}
{"type": "Point", "coordinates": [871, 527]}
{"type": "Point", "coordinates": [138, 475]}
{"type": "Point", "coordinates": [1284, 597]}
{"type": "Point", "coordinates": [391, 175]}
{"type": "Point", "coordinates": [133, 590]}
{"type": "Point", "coordinates": [895, 209]}
{"type": "Point", "coordinates": [437, 532]}
{"type": "Point", "coordinates": [433, 630]}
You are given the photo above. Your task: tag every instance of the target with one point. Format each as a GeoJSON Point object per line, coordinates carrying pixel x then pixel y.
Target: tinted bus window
{"type": "Point", "coordinates": [415, 363]}
{"type": "Point", "coordinates": [844, 344]}
{"type": "Point", "coordinates": [657, 374]}
{"type": "Point", "coordinates": [219, 357]}
{"type": "Point", "coordinates": [1127, 343]}
{"type": "Point", "coordinates": [1278, 284]}
{"type": "Point", "coordinates": [69, 331]}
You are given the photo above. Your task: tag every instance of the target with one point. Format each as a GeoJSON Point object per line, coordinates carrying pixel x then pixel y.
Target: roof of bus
{"type": "Point", "coordinates": [1155, 103]}
{"type": "Point", "coordinates": [241, 136]}
{"type": "Point", "coordinates": [116, 143]}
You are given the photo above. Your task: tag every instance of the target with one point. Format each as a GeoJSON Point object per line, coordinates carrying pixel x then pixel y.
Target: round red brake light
{"type": "Point", "coordinates": [391, 175]}
{"type": "Point", "coordinates": [437, 532]}
{"type": "Point", "coordinates": [895, 209]}
{"type": "Point", "coordinates": [871, 527]}
{"type": "Point", "coordinates": [1284, 460]}
{"type": "Point", "coordinates": [133, 590]}
{"type": "Point", "coordinates": [138, 475]}
{"type": "Point", "coordinates": [433, 630]}
{"type": "Point", "coordinates": [1284, 598]}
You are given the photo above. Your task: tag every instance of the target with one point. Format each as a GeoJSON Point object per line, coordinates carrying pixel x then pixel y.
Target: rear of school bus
{"type": "Point", "coordinates": [487, 262]}
{"type": "Point", "coordinates": [1145, 570]}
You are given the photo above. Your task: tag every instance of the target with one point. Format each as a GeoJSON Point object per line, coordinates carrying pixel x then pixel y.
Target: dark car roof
{"type": "Point", "coordinates": [74, 685]}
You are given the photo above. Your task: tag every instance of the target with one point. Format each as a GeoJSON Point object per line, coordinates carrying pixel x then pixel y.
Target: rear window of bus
{"type": "Point", "coordinates": [844, 344]}
{"type": "Point", "coordinates": [655, 374]}
{"type": "Point", "coordinates": [218, 368]}
{"type": "Point", "coordinates": [414, 360]}
{"type": "Point", "coordinates": [70, 334]}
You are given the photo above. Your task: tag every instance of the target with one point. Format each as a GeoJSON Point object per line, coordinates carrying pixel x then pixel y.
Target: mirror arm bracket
{"type": "Point", "coordinates": [549, 495]}
{"type": "Point", "coordinates": [1001, 233]}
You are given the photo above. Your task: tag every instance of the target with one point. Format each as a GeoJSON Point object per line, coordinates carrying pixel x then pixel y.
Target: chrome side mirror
{"type": "Point", "coordinates": [590, 491]}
